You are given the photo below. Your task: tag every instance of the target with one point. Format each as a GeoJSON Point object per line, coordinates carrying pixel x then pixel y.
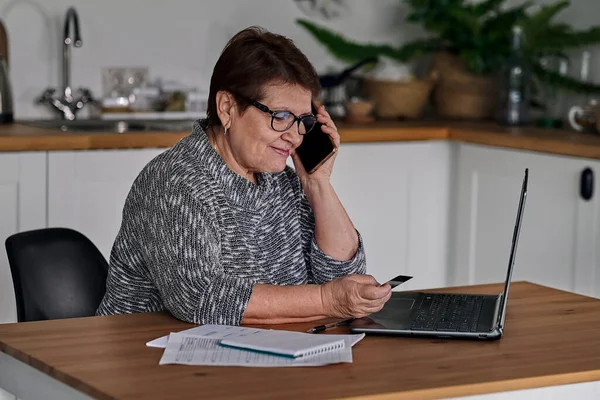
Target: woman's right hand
{"type": "Point", "coordinates": [354, 296]}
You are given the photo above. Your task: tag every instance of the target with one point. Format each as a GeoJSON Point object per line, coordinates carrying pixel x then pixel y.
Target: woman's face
{"type": "Point", "coordinates": [255, 145]}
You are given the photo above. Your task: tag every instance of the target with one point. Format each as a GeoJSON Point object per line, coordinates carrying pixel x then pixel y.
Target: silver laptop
{"type": "Point", "coordinates": [447, 315]}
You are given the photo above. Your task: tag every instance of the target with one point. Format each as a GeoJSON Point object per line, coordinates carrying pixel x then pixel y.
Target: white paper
{"type": "Point", "coordinates": [183, 348]}
{"type": "Point", "coordinates": [227, 331]}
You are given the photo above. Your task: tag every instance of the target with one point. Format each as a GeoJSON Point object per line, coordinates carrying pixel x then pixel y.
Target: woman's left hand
{"type": "Point", "coordinates": [323, 173]}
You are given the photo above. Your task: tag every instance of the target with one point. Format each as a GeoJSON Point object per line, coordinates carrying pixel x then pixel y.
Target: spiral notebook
{"type": "Point", "coordinates": [286, 343]}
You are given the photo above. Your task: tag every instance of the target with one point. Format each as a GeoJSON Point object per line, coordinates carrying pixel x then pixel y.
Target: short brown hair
{"type": "Point", "coordinates": [252, 59]}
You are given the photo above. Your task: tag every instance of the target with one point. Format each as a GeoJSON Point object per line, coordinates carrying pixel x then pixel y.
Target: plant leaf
{"type": "Point", "coordinates": [538, 28]}
{"type": "Point", "coordinates": [344, 49]}
{"type": "Point", "coordinates": [487, 6]}
{"type": "Point", "coordinates": [564, 41]}
{"type": "Point", "coordinates": [463, 18]}
{"type": "Point", "coordinates": [546, 13]}
{"type": "Point", "coordinates": [565, 82]}
{"type": "Point", "coordinates": [350, 51]}
{"type": "Point", "coordinates": [502, 23]}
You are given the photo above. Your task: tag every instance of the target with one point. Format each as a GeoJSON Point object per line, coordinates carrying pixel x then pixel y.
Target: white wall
{"type": "Point", "coordinates": [176, 39]}
{"type": "Point", "coordinates": [181, 38]}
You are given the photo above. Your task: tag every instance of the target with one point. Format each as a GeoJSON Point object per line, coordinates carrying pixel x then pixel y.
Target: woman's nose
{"type": "Point", "coordinates": [292, 136]}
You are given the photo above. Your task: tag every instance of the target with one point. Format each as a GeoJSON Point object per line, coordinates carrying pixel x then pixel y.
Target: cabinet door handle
{"type": "Point", "coordinates": [586, 188]}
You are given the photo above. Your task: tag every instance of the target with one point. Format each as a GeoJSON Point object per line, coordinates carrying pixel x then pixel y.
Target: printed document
{"type": "Point", "coordinates": [190, 349]}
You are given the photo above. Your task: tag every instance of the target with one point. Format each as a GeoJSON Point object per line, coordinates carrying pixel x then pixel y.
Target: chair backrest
{"type": "Point", "coordinates": [57, 273]}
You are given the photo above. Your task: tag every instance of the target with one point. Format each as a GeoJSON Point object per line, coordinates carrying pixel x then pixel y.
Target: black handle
{"type": "Point", "coordinates": [586, 187]}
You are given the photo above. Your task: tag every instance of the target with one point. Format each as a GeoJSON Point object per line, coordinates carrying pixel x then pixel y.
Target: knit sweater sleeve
{"type": "Point", "coordinates": [184, 263]}
{"type": "Point", "coordinates": [323, 268]}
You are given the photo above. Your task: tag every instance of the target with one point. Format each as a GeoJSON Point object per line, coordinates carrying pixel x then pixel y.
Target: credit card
{"type": "Point", "coordinates": [399, 280]}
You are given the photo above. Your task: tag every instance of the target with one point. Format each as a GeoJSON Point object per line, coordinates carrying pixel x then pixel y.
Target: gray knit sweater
{"type": "Point", "coordinates": [195, 238]}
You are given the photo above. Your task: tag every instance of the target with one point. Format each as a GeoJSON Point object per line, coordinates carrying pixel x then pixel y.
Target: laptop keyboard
{"type": "Point", "coordinates": [448, 312]}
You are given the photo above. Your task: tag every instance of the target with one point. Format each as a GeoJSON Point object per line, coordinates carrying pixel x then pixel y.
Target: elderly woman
{"type": "Point", "coordinates": [218, 229]}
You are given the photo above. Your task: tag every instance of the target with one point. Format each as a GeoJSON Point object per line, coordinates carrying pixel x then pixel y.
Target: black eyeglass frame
{"type": "Point", "coordinates": [297, 118]}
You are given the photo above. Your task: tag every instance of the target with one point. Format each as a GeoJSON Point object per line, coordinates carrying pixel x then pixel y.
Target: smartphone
{"type": "Point", "coordinates": [400, 279]}
{"type": "Point", "coordinates": [316, 147]}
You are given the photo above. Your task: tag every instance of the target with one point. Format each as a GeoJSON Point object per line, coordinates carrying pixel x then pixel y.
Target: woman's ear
{"type": "Point", "coordinates": [225, 108]}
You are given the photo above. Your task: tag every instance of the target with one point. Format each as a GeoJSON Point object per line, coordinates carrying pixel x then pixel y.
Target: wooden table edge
{"type": "Point", "coordinates": [486, 387]}
{"type": "Point", "coordinates": [65, 379]}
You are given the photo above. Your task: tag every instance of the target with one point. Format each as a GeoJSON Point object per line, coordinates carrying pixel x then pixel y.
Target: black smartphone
{"type": "Point", "coordinates": [316, 147]}
{"type": "Point", "coordinates": [400, 279]}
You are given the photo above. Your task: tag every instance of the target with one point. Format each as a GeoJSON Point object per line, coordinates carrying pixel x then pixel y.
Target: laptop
{"type": "Point", "coordinates": [447, 315]}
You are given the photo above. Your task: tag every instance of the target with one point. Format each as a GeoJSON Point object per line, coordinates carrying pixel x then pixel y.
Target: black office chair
{"type": "Point", "coordinates": [57, 273]}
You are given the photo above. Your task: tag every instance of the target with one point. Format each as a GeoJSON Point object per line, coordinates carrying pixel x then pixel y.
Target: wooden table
{"type": "Point", "coordinates": [551, 338]}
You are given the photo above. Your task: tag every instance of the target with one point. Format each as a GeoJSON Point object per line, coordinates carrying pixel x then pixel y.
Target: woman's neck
{"type": "Point", "coordinates": [220, 144]}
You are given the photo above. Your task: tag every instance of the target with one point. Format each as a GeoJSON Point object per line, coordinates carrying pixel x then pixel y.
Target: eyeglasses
{"type": "Point", "coordinates": [282, 120]}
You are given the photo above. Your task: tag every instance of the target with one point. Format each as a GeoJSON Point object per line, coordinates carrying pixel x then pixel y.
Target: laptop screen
{"type": "Point", "coordinates": [513, 249]}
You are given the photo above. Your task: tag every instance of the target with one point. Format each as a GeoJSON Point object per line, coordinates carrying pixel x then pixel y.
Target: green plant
{"type": "Point", "coordinates": [544, 37]}
{"type": "Point", "coordinates": [479, 34]}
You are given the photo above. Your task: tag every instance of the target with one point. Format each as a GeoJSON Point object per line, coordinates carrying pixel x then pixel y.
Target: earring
{"type": "Point", "coordinates": [225, 133]}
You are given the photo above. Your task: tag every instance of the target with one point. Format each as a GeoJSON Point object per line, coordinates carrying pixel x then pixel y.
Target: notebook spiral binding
{"type": "Point", "coordinates": [323, 349]}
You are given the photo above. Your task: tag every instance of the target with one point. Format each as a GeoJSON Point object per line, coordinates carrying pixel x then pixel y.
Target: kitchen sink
{"type": "Point", "coordinates": [110, 126]}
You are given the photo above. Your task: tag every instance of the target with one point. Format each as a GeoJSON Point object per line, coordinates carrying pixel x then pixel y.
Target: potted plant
{"type": "Point", "coordinates": [470, 44]}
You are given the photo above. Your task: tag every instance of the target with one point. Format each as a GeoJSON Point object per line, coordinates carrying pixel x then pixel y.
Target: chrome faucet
{"type": "Point", "coordinates": [66, 103]}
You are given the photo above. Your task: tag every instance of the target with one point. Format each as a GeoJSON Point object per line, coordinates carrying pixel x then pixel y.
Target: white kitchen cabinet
{"type": "Point", "coordinates": [559, 236]}
{"type": "Point", "coordinates": [23, 200]}
{"type": "Point", "coordinates": [398, 197]}
{"type": "Point", "coordinates": [87, 190]}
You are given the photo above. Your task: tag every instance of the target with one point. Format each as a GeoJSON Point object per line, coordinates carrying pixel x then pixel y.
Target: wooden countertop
{"type": "Point", "coordinates": [20, 137]}
{"type": "Point", "coordinates": [554, 141]}
{"type": "Point", "coordinates": [551, 338]}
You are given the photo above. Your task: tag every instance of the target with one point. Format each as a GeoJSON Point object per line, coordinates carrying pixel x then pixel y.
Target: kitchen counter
{"type": "Point", "coordinates": [563, 142]}
{"type": "Point", "coordinates": [20, 137]}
